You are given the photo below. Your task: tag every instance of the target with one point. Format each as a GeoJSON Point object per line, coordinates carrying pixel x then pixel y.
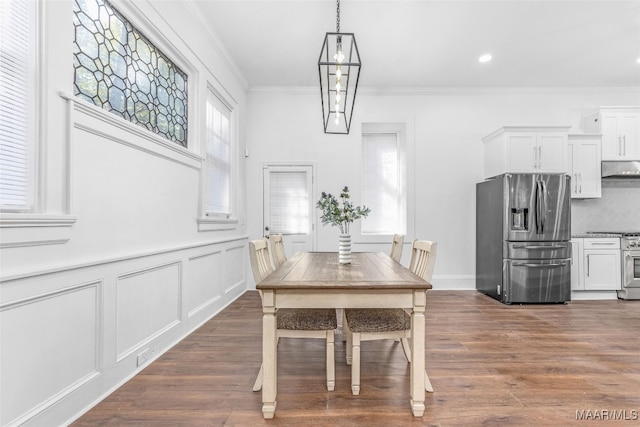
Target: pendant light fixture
{"type": "Point", "coordinates": [339, 69]}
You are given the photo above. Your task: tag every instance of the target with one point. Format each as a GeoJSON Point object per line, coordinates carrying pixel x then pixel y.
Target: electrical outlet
{"type": "Point", "coordinates": [143, 357]}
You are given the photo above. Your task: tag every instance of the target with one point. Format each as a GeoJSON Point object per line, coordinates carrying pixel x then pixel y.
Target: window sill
{"type": "Point", "coordinates": [217, 224]}
{"type": "Point", "coordinates": [18, 230]}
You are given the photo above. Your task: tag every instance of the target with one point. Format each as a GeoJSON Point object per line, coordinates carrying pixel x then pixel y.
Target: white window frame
{"type": "Point", "coordinates": [369, 139]}
{"type": "Point", "coordinates": [34, 226]}
{"type": "Point", "coordinates": [403, 127]}
{"type": "Point", "coordinates": [216, 221]}
{"type": "Point", "coordinates": [28, 61]}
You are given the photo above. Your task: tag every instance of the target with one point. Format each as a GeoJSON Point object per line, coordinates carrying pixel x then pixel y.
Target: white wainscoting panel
{"type": "Point", "coordinates": [148, 303]}
{"type": "Point", "coordinates": [235, 267]}
{"type": "Point", "coordinates": [49, 347]}
{"type": "Point", "coordinates": [204, 281]}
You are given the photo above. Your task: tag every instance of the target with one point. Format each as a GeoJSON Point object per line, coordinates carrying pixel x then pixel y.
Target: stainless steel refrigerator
{"type": "Point", "coordinates": [523, 228]}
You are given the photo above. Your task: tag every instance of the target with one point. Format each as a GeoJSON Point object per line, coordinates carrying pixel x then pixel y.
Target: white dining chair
{"type": "Point", "coordinates": [292, 322]}
{"type": "Point", "coordinates": [396, 247]}
{"type": "Point", "coordinates": [277, 249]}
{"type": "Point", "coordinates": [370, 324]}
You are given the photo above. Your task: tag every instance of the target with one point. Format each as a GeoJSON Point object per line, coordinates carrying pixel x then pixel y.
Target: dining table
{"type": "Point", "coordinates": [318, 280]}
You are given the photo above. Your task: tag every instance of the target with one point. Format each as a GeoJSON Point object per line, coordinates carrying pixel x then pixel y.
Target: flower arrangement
{"type": "Point", "coordinates": [340, 216]}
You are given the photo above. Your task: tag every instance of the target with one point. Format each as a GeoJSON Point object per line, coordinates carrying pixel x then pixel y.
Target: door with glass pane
{"type": "Point", "coordinates": [288, 205]}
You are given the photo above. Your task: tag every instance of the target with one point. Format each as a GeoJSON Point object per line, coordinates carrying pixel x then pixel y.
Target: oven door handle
{"type": "Point", "coordinates": [529, 264]}
{"type": "Point", "coordinates": [540, 247]}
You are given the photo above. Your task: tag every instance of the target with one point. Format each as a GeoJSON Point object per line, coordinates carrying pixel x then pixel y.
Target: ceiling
{"type": "Point", "coordinates": [436, 44]}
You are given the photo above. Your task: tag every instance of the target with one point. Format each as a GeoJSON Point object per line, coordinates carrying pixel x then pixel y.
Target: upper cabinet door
{"type": "Point", "coordinates": [585, 165]}
{"type": "Point", "coordinates": [552, 152]}
{"type": "Point", "coordinates": [629, 133]}
{"type": "Point", "coordinates": [526, 149]}
{"type": "Point", "coordinates": [523, 152]}
{"type": "Point", "coordinates": [620, 129]}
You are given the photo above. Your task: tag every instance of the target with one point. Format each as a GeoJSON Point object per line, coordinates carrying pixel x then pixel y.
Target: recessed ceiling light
{"type": "Point", "coordinates": [638, 61]}
{"type": "Point", "coordinates": [485, 58]}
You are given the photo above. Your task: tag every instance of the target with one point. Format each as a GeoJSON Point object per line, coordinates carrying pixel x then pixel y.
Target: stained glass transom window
{"type": "Point", "coordinates": [118, 69]}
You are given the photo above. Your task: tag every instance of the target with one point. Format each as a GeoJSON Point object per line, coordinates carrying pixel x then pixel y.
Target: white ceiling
{"type": "Point", "coordinates": [436, 44]}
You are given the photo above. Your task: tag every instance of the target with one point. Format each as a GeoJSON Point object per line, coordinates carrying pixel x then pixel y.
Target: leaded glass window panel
{"type": "Point", "coordinates": [118, 69]}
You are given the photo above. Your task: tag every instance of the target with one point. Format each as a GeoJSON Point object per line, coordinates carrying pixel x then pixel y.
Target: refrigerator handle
{"type": "Point", "coordinates": [543, 206]}
{"type": "Point", "coordinates": [537, 207]}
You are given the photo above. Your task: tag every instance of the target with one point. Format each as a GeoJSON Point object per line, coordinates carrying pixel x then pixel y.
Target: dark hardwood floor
{"type": "Point", "coordinates": [490, 365]}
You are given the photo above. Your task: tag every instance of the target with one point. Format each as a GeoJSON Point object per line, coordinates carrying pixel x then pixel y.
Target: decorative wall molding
{"type": "Point", "coordinates": [421, 91]}
{"type": "Point", "coordinates": [149, 284]}
{"type": "Point", "coordinates": [119, 259]}
{"type": "Point", "coordinates": [44, 348]}
{"type": "Point", "coordinates": [217, 224]}
{"type": "Point", "coordinates": [134, 136]}
{"type": "Point", "coordinates": [17, 230]}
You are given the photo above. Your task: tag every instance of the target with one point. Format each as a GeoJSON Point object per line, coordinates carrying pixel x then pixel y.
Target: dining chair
{"type": "Point", "coordinates": [370, 324]}
{"type": "Point", "coordinates": [292, 322]}
{"type": "Point", "coordinates": [277, 249]}
{"type": "Point", "coordinates": [396, 247]}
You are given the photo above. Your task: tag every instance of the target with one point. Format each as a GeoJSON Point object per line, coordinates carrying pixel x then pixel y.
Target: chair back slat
{"type": "Point", "coordinates": [277, 249]}
{"type": "Point", "coordinates": [260, 259]}
{"type": "Point", "coordinates": [396, 247]}
{"type": "Point", "coordinates": [423, 258]}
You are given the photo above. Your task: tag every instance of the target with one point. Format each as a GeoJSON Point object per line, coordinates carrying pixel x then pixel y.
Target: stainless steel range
{"type": "Point", "coordinates": [630, 245]}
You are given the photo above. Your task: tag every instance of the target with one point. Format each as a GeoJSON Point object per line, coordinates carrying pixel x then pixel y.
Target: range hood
{"type": "Point", "coordinates": [621, 169]}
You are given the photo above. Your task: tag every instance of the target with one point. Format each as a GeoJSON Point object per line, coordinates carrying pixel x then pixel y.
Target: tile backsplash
{"type": "Point", "coordinates": [617, 210]}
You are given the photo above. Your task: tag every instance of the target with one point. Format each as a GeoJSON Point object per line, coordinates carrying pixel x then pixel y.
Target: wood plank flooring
{"type": "Point", "coordinates": [490, 365]}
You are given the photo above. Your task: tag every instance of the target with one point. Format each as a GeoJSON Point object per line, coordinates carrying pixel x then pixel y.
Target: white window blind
{"type": "Point", "coordinates": [218, 156]}
{"type": "Point", "coordinates": [288, 202]}
{"type": "Point", "coordinates": [382, 180]}
{"type": "Point", "coordinates": [17, 104]}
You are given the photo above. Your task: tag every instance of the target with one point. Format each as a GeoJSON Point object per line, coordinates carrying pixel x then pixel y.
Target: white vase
{"type": "Point", "coordinates": [344, 249]}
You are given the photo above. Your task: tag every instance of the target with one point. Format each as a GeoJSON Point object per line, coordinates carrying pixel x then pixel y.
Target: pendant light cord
{"type": "Point", "coordinates": [337, 16]}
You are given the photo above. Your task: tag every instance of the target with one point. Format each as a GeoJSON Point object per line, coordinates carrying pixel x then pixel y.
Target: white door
{"type": "Point", "coordinates": [289, 206]}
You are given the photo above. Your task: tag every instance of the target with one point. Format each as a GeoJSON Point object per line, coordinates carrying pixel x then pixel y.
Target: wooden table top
{"type": "Point", "coordinates": [368, 270]}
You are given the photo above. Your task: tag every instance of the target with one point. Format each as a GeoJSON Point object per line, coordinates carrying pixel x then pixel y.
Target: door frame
{"type": "Point", "coordinates": [313, 215]}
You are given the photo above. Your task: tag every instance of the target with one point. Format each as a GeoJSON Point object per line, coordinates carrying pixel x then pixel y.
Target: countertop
{"type": "Point", "coordinates": [583, 235]}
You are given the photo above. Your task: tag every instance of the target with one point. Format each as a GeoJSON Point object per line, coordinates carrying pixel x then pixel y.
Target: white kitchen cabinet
{"type": "Point", "coordinates": [584, 165]}
{"type": "Point", "coordinates": [620, 129]}
{"type": "Point", "coordinates": [526, 149]}
{"type": "Point", "coordinates": [601, 264]}
{"type": "Point", "coordinates": [595, 264]}
{"type": "Point", "coordinates": [577, 274]}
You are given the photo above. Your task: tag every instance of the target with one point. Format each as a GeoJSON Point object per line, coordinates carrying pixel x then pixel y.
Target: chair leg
{"type": "Point", "coordinates": [331, 362]}
{"type": "Point", "coordinates": [347, 331]}
{"type": "Point", "coordinates": [406, 348]}
{"type": "Point", "coordinates": [355, 364]}
{"type": "Point", "coordinates": [427, 384]}
{"type": "Point", "coordinates": [257, 386]}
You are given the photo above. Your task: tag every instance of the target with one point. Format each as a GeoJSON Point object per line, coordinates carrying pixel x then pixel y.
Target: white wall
{"type": "Point", "coordinates": [286, 125]}
{"type": "Point", "coordinates": [113, 270]}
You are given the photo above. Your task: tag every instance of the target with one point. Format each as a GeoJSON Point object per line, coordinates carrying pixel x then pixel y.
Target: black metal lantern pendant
{"type": "Point", "coordinates": [339, 69]}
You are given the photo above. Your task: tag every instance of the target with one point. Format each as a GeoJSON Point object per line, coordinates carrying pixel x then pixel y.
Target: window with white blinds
{"type": "Point", "coordinates": [289, 202]}
{"type": "Point", "coordinates": [17, 104]}
{"type": "Point", "coordinates": [218, 157]}
{"type": "Point", "coordinates": [382, 184]}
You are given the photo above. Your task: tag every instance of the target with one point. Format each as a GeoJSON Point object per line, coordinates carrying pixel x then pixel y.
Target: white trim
{"type": "Point", "coordinates": [217, 224]}
{"type": "Point", "coordinates": [126, 257]}
{"type": "Point", "coordinates": [420, 91]}
{"type": "Point", "coordinates": [454, 282]}
{"type": "Point", "coordinates": [161, 147]}
{"type": "Point", "coordinates": [17, 230]}
{"type": "Point", "coordinates": [593, 295]}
